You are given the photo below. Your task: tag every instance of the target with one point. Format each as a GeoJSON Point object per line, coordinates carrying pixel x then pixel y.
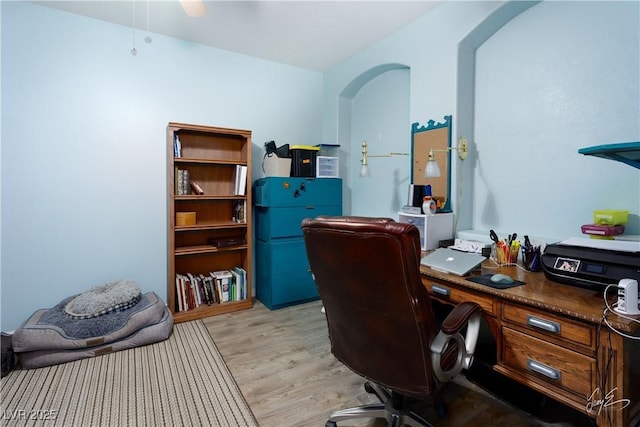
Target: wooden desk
{"type": "Point", "coordinates": [549, 337]}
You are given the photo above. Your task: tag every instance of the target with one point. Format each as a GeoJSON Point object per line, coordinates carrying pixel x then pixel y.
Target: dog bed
{"type": "Point", "coordinates": [54, 329]}
{"type": "Point", "coordinates": [104, 299]}
{"type": "Point", "coordinates": [155, 332]}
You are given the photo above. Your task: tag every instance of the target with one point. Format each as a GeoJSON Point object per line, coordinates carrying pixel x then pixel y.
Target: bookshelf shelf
{"type": "Point", "coordinates": [194, 197]}
{"type": "Point", "coordinates": [216, 309]}
{"type": "Point", "coordinates": [203, 249]}
{"type": "Point", "coordinates": [212, 158]}
{"type": "Point", "coordinates": [208, 161]}
{"type": "Point", "coordinates": [210, 226]}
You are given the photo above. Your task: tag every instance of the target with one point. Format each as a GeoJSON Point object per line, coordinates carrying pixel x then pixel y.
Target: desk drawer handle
{"type": "Point", "coordinates": [547, 325]}
{"type": "Point", "coordinates": [436, 289]}
{"type": "Point", "coordinates": [543, 369]}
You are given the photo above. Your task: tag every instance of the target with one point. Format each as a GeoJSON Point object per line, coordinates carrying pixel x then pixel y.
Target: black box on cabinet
{"type": "Point", "coordinates": [303, 161]}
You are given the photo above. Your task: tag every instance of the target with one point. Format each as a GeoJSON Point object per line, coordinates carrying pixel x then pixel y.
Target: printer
{"type": "Point", "coordinates": [591, 263]}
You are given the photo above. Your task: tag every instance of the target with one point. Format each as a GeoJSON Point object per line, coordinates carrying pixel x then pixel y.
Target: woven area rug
{"type": "Point", "coordinates": [182, 381]}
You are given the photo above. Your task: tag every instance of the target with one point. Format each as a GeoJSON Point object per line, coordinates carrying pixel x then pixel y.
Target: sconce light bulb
{"type": "Point", "coordinates": [431, 170]}
{"type": "Point", "coordinates": [364, 170]}
{"type": "Point", "coordinates": [134, 52]}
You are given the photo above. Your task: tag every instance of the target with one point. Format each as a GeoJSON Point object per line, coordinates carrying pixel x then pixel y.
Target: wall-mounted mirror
{"type": "Point", "coordinates": [434, 136]}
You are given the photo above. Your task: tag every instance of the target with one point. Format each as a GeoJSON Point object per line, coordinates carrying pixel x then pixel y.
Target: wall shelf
{"type": "Point", "coordinates": [625, 152]}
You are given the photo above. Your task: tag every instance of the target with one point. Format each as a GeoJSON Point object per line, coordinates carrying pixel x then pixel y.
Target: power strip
{"type": "Point", "coordinates": [628, 297]}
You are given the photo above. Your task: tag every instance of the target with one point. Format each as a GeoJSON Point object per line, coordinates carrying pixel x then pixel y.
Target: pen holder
{"type": "Point", "coordinates": [503, 254]}
{"type": "Point", "coordinates": [531, 258]}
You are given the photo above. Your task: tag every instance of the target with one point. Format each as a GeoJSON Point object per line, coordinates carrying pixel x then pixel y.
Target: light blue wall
{"type": "Point", "coordinates": [83, 145]}
{"type": "Point", "coordinates": [558, 76]}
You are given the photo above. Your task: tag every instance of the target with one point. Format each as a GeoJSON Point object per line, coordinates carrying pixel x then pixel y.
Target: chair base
{"type": "Point", "coordinates": [391, 409]}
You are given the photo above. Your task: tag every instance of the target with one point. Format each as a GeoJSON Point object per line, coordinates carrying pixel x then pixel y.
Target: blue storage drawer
{"type": "Point", "coordinates": [285, 192]}
{"type": "Point", "coordinates": [278, 223]}
{"type": "Point", "coordinates": [282, 273]}
{"type": "Point", "coordinates": [280, 204]}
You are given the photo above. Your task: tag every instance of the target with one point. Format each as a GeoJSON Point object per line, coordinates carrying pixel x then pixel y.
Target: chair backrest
{"type": "Point", "coordinates": [379, 316]}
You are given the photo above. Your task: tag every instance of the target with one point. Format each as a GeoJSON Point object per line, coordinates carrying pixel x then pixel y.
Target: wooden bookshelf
{"type": "Point", "coordinates": [211, 155]}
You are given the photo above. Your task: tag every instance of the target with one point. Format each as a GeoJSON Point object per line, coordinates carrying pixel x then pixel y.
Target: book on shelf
{"type": "Point", "coordinates": [186, 188]}
{"type": "Point", "coordinates": [196, 188]}
{"type": "Point", "coordinates": [242, 273]}
{"type": "Point", "coordinates": [239, 211]}
{"type": "Point", "coordinates": [177, 146]}
{"type": "Point", "coordinates": [182, 182]}
{"type": "Point", "coordinates": [225, 243]}
{"type": "Point", "coordinates": [177, 175]}
{"type": "Point", "coordinates": [220, 286]}
{"type": "Point", "coordinates": [186, 300]}
{"type": "Point", "coordinates": [240, 180]}
{"type": "Point", "coordinates": [179, 297]}
{"type": "Point", "coordinates": [240, 283]}
{"type": "Point", "coordinates": [193, 281]}
{"type": "Point", "coordinates": [223, 282]}
{"type": "Point", "coordinates": [207, 289]}
{"type": "Point", "coordinates": [235, 285]}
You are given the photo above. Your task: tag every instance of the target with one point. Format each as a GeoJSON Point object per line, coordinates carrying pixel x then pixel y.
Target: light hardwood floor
{"type": "Point", "coordinates": [282, 362]}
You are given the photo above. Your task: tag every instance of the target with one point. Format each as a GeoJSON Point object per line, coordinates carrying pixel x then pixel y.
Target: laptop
{"type": "Point", "coordinates": [452, 261]}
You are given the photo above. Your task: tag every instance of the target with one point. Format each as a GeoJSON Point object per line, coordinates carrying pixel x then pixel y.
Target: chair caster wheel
{"type": "Point", "coordinates": [368, 388]}
{"type": "Point", "coordinates": [330, 424]}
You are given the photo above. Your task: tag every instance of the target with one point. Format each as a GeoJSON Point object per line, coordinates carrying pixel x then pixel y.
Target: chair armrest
{"type": "Point", "coordinates": [459, 317]}
{"type": "Point", "coordinates": [466, 314]}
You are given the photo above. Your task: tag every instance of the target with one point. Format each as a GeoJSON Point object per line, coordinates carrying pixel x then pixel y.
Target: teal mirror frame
{"type": "Point", "coordinates": [434, 136]}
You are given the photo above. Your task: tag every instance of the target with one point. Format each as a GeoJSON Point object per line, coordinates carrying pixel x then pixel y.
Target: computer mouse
{"type": "Point", "coordinates": [502, 279]}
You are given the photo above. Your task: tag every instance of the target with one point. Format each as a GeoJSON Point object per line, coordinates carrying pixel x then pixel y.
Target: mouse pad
{"type": "Point", "coordinates": [485, 279]}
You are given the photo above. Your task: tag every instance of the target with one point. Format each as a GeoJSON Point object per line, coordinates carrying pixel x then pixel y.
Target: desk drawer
{"type": "Point", "coordinates": [550, 325]}
{"type": "Point", "coordinates": [549, 364]}
{"type": "Point", "coordinates": [443, 292]}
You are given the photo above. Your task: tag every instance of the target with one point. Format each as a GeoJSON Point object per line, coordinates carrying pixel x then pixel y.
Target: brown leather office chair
{"type": "Point", "coordinates": [379, 315]}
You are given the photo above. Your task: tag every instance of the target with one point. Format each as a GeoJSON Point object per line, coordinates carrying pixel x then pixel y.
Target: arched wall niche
{"type": "Point", "coordinates": [465, 95]}
{"type": "Point", "coordinates": [380, 78]}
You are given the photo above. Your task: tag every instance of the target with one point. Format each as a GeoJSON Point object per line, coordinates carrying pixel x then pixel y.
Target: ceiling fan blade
{"type": "Point", "coordinates": [194, 8]}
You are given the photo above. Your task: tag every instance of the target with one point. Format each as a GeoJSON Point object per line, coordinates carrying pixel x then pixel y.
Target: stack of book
{"type": "Point", "coordinates": [239, 211]}
{"type": "Point", "coordinates": [177, 146]}
{"type": "Point", "coordinates": [184, 185]}
{"type": "Point", "coordinates": [216, 287]}
{"type": "Point", "coordinates": [183, 182]}
{"type": "Point", "coordinates": [241, 181]}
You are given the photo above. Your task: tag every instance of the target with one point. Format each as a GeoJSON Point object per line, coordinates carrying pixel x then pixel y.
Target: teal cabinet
{"type": "Point", "coordinates": [280, 204]}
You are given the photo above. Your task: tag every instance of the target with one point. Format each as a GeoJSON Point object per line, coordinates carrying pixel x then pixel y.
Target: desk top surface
{"type": "Point", "coordinates": [538, 291]}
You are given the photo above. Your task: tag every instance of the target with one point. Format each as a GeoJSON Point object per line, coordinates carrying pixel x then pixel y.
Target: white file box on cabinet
{"type": "Point", "coordinates": [433, 228]}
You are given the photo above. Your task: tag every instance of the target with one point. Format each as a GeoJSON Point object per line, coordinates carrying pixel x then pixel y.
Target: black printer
{"type": "Point", "coordinates": [590, 266]}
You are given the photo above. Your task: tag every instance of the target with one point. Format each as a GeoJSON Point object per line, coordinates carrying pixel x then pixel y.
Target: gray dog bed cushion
{"type": "Point", "coordinates": [158, 331]}
{"type": "Point", "coordinates": [104, 299]}
{"type": "Point", "coordinates": [49, 329]}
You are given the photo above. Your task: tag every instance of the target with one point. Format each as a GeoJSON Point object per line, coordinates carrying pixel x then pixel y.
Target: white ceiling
{"type": "Point", "coordinates": [310, 34]}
